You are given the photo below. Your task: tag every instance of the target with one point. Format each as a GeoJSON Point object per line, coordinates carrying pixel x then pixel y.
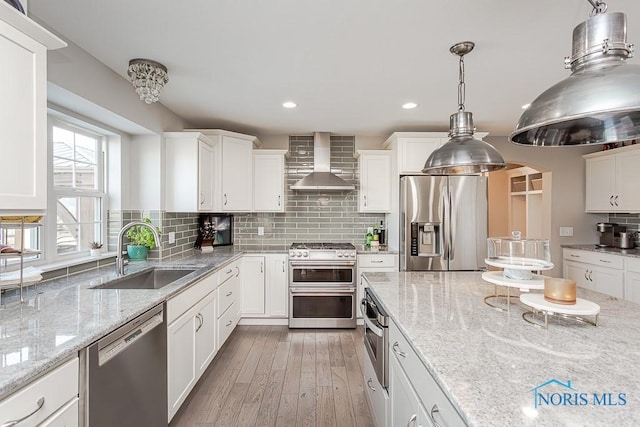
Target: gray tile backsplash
{"type": "Point", "coordinates": [631, 221]}
{"type": "Point", "coordinates": [311, 216]}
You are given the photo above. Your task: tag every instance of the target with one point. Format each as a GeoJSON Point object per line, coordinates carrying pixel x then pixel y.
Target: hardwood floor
{"type": "Point", "coordinates": [276, 376]}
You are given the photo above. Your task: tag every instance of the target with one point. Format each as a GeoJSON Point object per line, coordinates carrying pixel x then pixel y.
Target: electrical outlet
{"type": "Point", "coordinates": [260, 231]}
{"type": "Point", "coordinates": [172, 238]}
{"type": "Point", "coordinates": [566, 231]}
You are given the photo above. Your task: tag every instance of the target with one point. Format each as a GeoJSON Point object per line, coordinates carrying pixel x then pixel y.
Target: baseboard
{"type": "Point", "coordinates": [265, 321]}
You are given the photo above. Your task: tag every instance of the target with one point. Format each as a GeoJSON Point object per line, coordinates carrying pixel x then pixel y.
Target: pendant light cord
{"type": "Point", "coordinates": [461, 84]}
{"type": "Point", "coordinates": [598, 7]}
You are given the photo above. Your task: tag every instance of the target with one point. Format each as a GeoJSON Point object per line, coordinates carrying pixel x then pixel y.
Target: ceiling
{"type": "Point", "coordinates": [349, 65]}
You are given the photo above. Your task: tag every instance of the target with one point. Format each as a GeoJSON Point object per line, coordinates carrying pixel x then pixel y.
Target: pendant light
{"type": "Point", "coordinates": [599, 102]}
{"type": "Point", "coordinates": [463, 154]}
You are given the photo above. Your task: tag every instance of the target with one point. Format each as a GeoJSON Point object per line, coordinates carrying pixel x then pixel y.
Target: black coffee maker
{"type": "Point", "coordinates": [214, 230]}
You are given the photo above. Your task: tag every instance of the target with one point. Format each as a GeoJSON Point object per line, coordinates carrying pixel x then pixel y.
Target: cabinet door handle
{"type": "Point", "coordinates": [585, 274]}
{"type": "Point", "coordinates": [201, 319]}
{"type": "Point", "coordinates": [432, 415]}
{"type": "Point", "coordinates": [225, 199]}
{"type": "Point", "coordinates": [615, 200]}
{"type": "Point", "coordinates": [202, 198]}
{"type": "Point", "coordinates": [237, 271]}
{"type": "Point", "coordinates": [370, 386]}
{"type": "Point", "coordinates": [396, 350]}
{"type": "Point", "coordinates": [229, 324]}
{"type": "Point", "coordinates": [261, 268]}
{"type": "Point", "coordinates": [39, 403]}
{"type": "Point", "coordinates": [365, 200]}
{"type": "Point", "coordinates": [611, 200]}
{"type": "Point", "coordinates": [229, 294]}
{"type": "Point", "coordinates": [283, 266]}
{"type": "Point", "coordinates": [412, 420]}
{"type": "Point", "coordinates": [279, 200]}
{"type": "Point", "coordinates": [590, 273]}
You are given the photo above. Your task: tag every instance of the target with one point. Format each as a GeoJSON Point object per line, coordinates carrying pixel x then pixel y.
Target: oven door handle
{"type": "Point", "coordinates": [324, 291]}
{"type": "Point", "coordinates": [329, 264]}
{"type": "Point", "coordinates": [379, 332]}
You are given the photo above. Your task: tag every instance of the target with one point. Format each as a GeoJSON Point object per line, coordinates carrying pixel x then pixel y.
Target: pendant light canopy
{"type": "Point", "coordinates": [599, 102]}
{"type": "Point", "coordinates": [463, 154]}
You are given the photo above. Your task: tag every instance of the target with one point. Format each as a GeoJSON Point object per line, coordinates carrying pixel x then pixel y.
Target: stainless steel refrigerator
{"type": "Point", "coordinates": [443, 223]}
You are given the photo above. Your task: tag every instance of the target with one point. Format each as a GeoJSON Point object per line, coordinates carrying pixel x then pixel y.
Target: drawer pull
{"type": "Point", "coordinates": [40, 404]}
{"type": "Point", "coordinates": [370, 386]}
{"type": "Point", "coordinates": [229, 271]}
{"type": "Point", "coordinates": [229, 324]}
{"type": "Point", "coordinates": [605, 261]}
{"type": "Point", "coordinates": [230, 293]}
{"type": "Point", "coordinates": [575, 256]}
{"type": "Point", "coordinates": [412, 420]}
{"type": "Point", "coordinates": [432, 415]}
{"type": "Point", "coordinates": [395, 347]}
{"type": "Point", "coordinates": [376, 261]}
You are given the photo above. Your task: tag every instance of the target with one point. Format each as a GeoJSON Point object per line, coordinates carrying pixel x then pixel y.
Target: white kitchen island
{"type": "Point", "coordinates": [498, 370]}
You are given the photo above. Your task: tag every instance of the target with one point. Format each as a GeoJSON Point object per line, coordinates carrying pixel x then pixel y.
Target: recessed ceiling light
{"type": "Point", "coordinates": [289, 104]}
{"type": "Point", "coordinates": [409, 105]}
{"type": "Point", "coordinates": [525, 106]}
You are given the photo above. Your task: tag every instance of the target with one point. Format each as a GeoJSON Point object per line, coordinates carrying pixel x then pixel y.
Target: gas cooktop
{"type": "Point", "coordinates": [322, 251]}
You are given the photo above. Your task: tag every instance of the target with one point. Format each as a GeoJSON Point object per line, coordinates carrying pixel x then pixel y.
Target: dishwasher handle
{"type": "Point", "coordinates": [128, 338]}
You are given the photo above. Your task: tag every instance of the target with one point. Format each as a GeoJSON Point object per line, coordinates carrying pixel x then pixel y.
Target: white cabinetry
{"type": "Point", "coordinates": [413, 393]}
{"type": "Point", "coordinates": [413, 149]}
{"type": "Point", "coordinates": [52, 399]}
{"type": "Point", "coordinates": [632, 279]}
{"type": "Point", "coordinates": [191, 338]}
{"type": "Point", "coordinates": [611, 180]}
{"type": "Point", "coordinates": [189, 169]}
{"type": "Point", "coordinates": [595, 271]}
{"type": "Point", "coordinates": [268, 181]}
{"type": "Point", "coordinates": [229, 301]}
{"type": "Point", "coordinates": [265, 288]}
{"type": "Point", "coordinates": [374, 263]}
{"type": "Point", "coordinates": [23, 111]}
{"type": "Point", "coordinates": [377, 396]}
{"type": "Point", "coordinates": [277, 285]}
{"type": "Point", "coordinates": [253, 285]}
{"type": "Point", "coordinates": [375, 180]}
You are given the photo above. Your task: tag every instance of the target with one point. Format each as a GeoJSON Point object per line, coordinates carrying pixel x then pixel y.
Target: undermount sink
{"type": "Point", "coordinates": [154, 278]}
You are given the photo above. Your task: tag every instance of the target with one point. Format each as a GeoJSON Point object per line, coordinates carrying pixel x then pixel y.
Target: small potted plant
{"type": "Point", "coordinates": [141, 240]}
{"type": "Point", "coordinates": [95, 248]}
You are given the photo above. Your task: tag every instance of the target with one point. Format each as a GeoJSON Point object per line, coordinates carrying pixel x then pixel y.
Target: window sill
{"type": "Point", "coordinates": [75, 261]}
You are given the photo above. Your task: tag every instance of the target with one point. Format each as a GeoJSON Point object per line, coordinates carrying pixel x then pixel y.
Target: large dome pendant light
{"type": "Point", "coordinates": [599, 102]}
{"type": "Point", "coordinates": [463, 154]}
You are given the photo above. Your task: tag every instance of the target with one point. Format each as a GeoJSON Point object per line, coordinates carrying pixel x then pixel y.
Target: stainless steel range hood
{"type": "Point", "coordinates": [321, 179]}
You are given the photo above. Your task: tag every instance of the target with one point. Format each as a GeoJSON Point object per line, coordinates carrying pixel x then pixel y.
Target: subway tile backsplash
{"type": "Point", "coordinates": [311, 216]}
{"type": "Point", "coordinates": [631, 221]}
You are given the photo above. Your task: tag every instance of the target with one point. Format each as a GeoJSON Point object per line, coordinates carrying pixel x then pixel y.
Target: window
{"type": "Point", "coordinates": [78, 189]}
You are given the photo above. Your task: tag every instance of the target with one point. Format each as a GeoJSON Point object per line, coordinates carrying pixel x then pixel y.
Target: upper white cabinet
{"type": "Point", "coordinates": [189, 169]}
{"type": "Point", "coordinates": [233, 170]}
{"type": "Point", "coordinates": [23, 111]}
{"type": "Point", "coordinates": [268, 180]}
{"type": "Point", "coordinates": [375, 180]}
{"type": "Point", "coordinates": [611, 180]}
{"type": "Point", "coordinates": [413, 148]}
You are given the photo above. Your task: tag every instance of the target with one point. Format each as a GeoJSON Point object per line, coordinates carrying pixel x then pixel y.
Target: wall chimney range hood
{"type": "Point", "coordinates": [321, 179]}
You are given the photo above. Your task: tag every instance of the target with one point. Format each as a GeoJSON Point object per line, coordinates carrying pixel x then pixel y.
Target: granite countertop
{"type": "Point", "coordinates": [634, 253]}
{"type": "Point", "coordinates": [488, 362]}
{"type": "Point", "coordinates": [66, 315]}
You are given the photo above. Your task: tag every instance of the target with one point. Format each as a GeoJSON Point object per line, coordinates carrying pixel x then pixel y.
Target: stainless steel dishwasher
{"type": "Point", "coordinates": [125, 374]}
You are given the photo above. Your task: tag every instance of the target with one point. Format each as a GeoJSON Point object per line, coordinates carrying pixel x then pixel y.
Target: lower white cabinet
{"type": "Point", "coordinates": [374, 263]}
{"type": "Point", "coordinates": [191, 338]}
{"type": "Point", "coordinates": [377, 396]}
{"type": "Point", "coordinates": [229, 301]}
{"type": "Point", "coordinates": [414, 396]}
{"type": "Point", "coordinates": [632, 279]}
{"type": "Point", "coordinates": [52, 400]}
{"type": "Point", "coordinates": [265, 288]}
{"type": "Point", "coordinates": [596, 271]}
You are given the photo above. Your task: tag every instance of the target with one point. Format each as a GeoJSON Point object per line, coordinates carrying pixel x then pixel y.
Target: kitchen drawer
{"type": "Point", "coordinates": [57, 388]}
{"type": "Point", "coordinates": [428, 390]}
{"type": "Point", "coordinates": [377, 260]}
{"type": "Point", "coordinates": [632, 264]}
{"type": "Point", "coordinates": [226, 323]}
{"type": "Point", "coordinates": [67, 416]}
{"type": "Point", "coordinates": [227, 272]}
{"type": "Point", "coordinates": [376, 395]}
{"type": "Point", "coordinates": [227, 295]}
{"type": "Point", "coordinates": [595, 258]}
{"type": "Point", "coordinates": [182, 302]}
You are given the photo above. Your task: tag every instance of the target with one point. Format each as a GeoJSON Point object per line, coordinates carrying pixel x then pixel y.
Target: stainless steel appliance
{"type": "Point", "coordinates": [376, 335]}
{"type": "Point", "coordinates": [627, 240]}
{"type": "Point", "coordinates": [443, 222]}
{"type": "Point", "coordinates": [609, 234]}
{"type": "Point", "coordinates": [322, 285]}
{"type": "Point", "coordinates": [125, 374]}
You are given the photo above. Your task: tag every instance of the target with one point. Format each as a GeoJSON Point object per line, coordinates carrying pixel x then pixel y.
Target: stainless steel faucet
{"type": "Point", "coordinates": [119, 259]}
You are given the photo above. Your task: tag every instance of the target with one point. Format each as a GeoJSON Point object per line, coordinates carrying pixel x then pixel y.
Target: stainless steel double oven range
{"type": "Point", "coordinates": [322, 285]}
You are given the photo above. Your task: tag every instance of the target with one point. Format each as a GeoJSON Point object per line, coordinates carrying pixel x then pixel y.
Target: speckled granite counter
{"type": "Point", "coordinates": [489, 362]}
{"type": "Point", "coordinates": [66, 315]}
{"type": "Point", "coordinates": [635, 253]}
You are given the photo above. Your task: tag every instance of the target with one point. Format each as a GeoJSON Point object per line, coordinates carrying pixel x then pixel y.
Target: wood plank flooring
{"type": "Point", "coordinates": [276, 376]}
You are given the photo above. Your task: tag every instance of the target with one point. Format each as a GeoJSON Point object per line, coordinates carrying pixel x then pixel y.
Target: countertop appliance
{"type": "Point", "coordinates": [376, 336]}
{"type": "Point", "coordinates": [443, 222]}
{"type": "Point", "coordinates": [322, 285]}
{"type": "Point", "coordinates": [609, 234]}
{"type": "Point", "coordinates": [125, 374]}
